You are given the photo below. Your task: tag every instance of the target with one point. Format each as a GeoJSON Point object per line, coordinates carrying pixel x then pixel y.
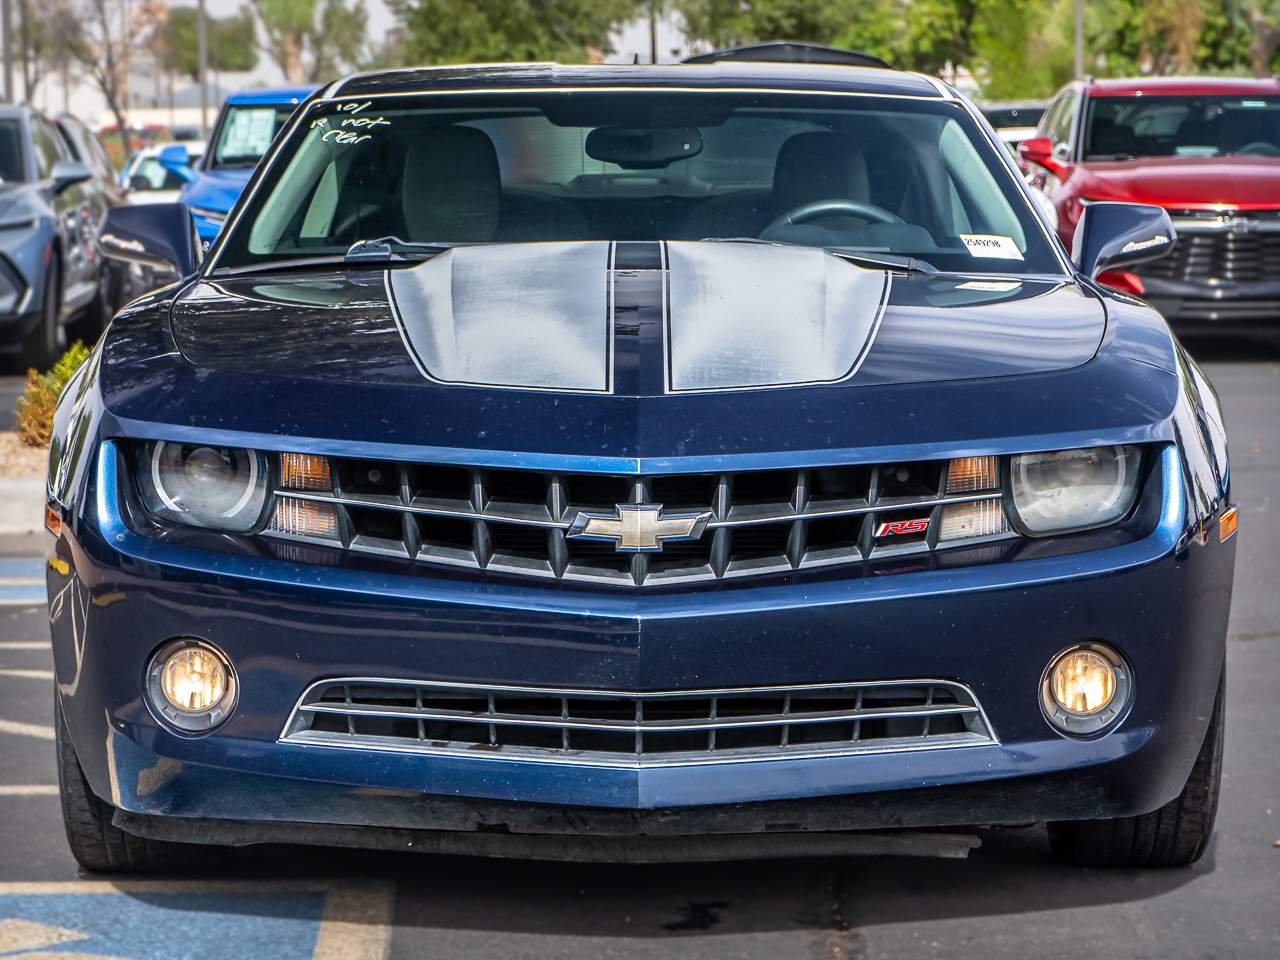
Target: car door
{"type": "Point", "coordinates": [73, 208]}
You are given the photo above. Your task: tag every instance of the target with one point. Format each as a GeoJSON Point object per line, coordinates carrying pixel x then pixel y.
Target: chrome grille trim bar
{"type": "Point", "coordinates": [351, 717]}
{"type": "Point", "coordinates": [417, 507]}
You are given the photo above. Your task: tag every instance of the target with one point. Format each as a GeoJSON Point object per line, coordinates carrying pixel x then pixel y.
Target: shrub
{"type": "Point", "coordinates": [38, 400]}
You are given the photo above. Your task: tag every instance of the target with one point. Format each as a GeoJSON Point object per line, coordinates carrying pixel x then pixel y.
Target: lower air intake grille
{"type": "Point", "coordinates": [609, 728]}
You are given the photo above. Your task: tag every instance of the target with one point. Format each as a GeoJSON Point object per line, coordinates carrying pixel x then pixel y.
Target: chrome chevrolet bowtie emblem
{"type": "Point", "coordinates": [638, 527]}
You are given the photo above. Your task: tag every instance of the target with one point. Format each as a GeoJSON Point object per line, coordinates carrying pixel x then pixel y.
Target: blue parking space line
{"type": "Point", "coordinates": [178, 926]}
{"type": "Point", "coordinates": [16, 568]}
{"type": "Point", "coordinates": [21, 580]}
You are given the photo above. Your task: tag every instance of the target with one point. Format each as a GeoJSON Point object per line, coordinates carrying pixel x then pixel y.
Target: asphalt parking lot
{"type": "Point", "coordinates": [1009, 899]}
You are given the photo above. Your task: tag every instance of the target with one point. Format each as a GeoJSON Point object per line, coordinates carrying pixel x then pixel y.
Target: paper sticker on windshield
{"type": "Point", "coordinates": [991, 245]}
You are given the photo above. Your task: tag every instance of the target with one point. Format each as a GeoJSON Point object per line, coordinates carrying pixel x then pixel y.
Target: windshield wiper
{"type": "Point", "coordinates": [392, 248]}
{"type": "Point", "coordinates": [880, 261]}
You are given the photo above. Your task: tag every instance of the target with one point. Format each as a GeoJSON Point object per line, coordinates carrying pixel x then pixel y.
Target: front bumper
{"type": "Point", "coordinates": [1162, 601]}
{"type": "Point", "coordinates": [1214, 305]}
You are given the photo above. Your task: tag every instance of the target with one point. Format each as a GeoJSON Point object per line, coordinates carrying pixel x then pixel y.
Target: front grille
{"type": "Point", "coordinates": [767, 521]}
{"type": "Point", "coordinates": [609, 728]}
{"type": "Point", "coordinates": [1212, 246]}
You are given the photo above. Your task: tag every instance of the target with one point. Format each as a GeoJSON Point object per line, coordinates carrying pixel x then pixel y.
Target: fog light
{"type": "Point", "coordinates": [1085, 688]}
{"type": "Point", "coordinates": [191, 685]}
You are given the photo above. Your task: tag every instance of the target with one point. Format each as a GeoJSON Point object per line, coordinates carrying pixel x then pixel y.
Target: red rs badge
{"type": "Point", "coordinates": [896, 527]}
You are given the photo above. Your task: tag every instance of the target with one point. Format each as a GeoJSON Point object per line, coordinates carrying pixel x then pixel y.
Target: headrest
{"type": "Point", "coordinates": [818, 166]}
{"type": "Point", "coordinates": [452, 186]}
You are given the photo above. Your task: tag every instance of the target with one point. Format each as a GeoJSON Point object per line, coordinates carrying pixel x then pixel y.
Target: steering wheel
{"type": "Point", "coordinates": [1260, 148]}
{"type": "Point", "coordinates": [834, 207]}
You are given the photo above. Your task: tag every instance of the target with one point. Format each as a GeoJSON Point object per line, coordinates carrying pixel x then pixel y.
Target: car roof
{"type": "Point", "coordinates": [1184, 86]}
{"type": "Point", "coordinates": [723, 75]}
{"type": "Point", "coordinates": [272, 95]}
{"type": "Point", "coordinates": [13, 110]}
{"type": "Point", "coordinates": [194, 147]}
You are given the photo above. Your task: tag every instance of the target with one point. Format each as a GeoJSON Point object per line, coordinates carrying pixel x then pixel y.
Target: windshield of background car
{"type": "Point", "coordinates": [11, 166]}
{"type": "Point", "coordinates": [908, 177]}
{"type": "Point", "coordinates": [1121, 128]}
{"type": "Point", "coordinates": [246, 133]}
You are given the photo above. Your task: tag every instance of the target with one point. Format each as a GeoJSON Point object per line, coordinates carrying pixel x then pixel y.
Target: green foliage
{"type": "Point", "coordinates": [313, 40]}
{"type": "Point", "coordinates": [447, 31]}
{"type": "Point", "coordinates": [1013, 48]}
{"type": "Point", "coordinates": [229, 42]}
{"type": "Point", "coordinates": [40, 398]}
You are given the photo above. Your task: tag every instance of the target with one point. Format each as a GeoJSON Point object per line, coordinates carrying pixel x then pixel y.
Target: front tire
{"type": "Point", "coordinates": [42, 344]}
{"type": "Point", "coordinates": [95, 842]}
{"type": "Point", "coordinates": [1175, 835]}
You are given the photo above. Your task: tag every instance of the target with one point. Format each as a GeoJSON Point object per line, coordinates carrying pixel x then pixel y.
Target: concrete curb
{"type": "Point", "coordinates": [21, 504]}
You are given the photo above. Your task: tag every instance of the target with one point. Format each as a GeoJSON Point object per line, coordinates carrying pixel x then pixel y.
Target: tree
{"type": "Point", "coordinates": [311, 40]}
{"type": "Point", "coordinates": [873, 26]}
{"type": "Point", "coordinates": [102, 35]}
{"type": "Point", "coordinates": [444, 31]}
{"type": "Point", "coordinates": [177, 42]}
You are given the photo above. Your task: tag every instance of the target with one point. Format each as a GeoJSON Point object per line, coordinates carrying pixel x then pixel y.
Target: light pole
{"type": "Point", "coordinates": [202, 69]}
{"type": "Point", "coordinates": [1079, 39]}
{"type": "Point", "coordinates": [6, 15]}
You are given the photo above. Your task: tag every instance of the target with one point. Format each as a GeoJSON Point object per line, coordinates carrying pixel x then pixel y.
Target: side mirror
{"type": "Point", "coordinates": [67, 173]}
{"type": "Point", "coordinates": [177, 160]}
{"type": "Point", "coordinates": [160, 236]}
{"type": "Point", "coordinates": [1038, 150]}
{"type": "Point", "coordinates": [1112, 236]}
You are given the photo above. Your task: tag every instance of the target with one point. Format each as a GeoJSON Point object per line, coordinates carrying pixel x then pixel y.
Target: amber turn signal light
{"type": "Point", "coordinates": [52, 520]}
{"type": "Point", "coordinates": [1227, 525]}
{"type": "Point", "coordinates": [305, 471]}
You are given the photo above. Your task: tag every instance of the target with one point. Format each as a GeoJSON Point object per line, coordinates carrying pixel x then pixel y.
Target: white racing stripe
{"type": "Point", "coordinates": [26, 729]}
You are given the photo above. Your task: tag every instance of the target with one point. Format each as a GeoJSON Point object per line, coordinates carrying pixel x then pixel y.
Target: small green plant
{"type": "Point", "coordinates": [40, 398]}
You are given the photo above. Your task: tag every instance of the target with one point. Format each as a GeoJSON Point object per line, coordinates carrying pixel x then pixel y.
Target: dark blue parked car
{"type": "Point", "coordinates": [244, 130]}
{"type": "Point", "coordinates": [638, 462]}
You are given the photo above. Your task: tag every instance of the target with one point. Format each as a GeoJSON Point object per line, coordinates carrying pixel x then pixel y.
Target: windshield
{"type": "Point", "coordinates": [246, 133]}
{"type": "Point", "coordinates": [1120, 128]}
{"type": "Point", "coordinates": [911, 178]}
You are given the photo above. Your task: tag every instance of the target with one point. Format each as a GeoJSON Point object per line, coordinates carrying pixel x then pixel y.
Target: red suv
{"type": "Point", "coordinates": [1207, 150]}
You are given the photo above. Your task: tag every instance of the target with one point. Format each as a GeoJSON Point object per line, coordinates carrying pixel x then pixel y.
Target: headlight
{"type": "Point", "coordinates": [219, 488]}
{"type": "Point", "coordinates": [1073, 489]}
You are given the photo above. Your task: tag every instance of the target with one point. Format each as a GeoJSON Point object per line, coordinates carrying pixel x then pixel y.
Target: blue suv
{"type": "Point", "coordinates": [245, 128]}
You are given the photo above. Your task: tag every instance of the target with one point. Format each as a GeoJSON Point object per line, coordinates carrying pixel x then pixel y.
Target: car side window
{"type": "Point", "coordinates": [1061, 131]}
{"type": "Point", "coordinates": [1050, 118]}
{"type": "Point", "coordinates": [49, 146]}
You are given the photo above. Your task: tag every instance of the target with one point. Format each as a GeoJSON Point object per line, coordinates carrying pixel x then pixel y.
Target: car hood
{"type": "Point", "coordinates": [216, 189]}
{"type": "Point", "coordinates": [692, 367]}
{"type": "Point", "coordinates": [636, 319]}
{"type": "Point", "coordinates": [1186, 182]}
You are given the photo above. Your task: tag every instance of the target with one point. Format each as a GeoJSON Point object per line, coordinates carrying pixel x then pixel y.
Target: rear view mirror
{"type": "Point", "coordinates": [67, 173]}
{"type": "Point", "coordinates": [177, 160]}
{"type": "Point", "coordinates": [639, 148]}
{"type": "Point", "coordinates": [159, 236]}
{"type": "Point", "coordinates": [1111, 236]}
{"type": "Point", "coordinates": [1038, 150]}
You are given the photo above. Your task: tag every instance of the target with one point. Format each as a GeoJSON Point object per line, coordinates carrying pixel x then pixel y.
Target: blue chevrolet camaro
{"type": "Point", "coordinates": [637, 463]}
